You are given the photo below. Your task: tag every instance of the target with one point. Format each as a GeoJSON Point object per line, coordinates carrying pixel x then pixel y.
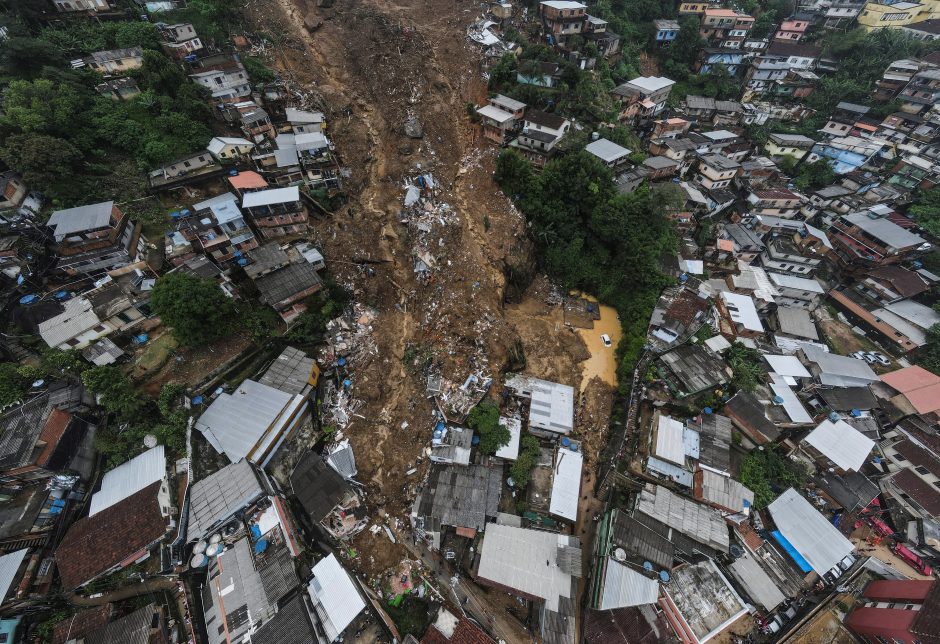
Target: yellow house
{"type": "Point", "coordinates": [788, 145]}
{"type": "Point", "coordinates": [688, 8]}
{"type": "Point", "coordinates": [229, 147]}
{"type": "Point", "coordinates": [876, 15]}
{"type": "Point", "coordinates": [116, 61]}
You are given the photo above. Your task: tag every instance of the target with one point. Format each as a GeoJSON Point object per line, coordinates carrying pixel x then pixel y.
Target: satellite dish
{"type": "Point", "coordinates": [150, 441]}
{"type": "Point", "coordinates": [620, 554]}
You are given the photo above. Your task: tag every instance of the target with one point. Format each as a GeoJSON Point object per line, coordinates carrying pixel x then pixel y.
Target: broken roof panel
{"type": "Point", "coordinates": [216, 498]}
{"type": "Point", "coordinates": [756, 582]}
{"type": "Point", "coordinates": [705, 600]}
{"type": "Point", "coordinates": [318, 487]}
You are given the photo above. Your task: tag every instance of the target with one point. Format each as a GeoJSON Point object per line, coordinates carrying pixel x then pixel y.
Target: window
{"type": "Point", "coordinates": [186, 163]}
{"type": "Point", "coordinates": [920, 469]}
{"type": "Point", "coordinates": [100, 329]}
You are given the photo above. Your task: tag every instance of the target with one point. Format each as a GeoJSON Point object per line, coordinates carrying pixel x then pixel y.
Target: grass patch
{"type": "Point", "coordinates": [157, 352]}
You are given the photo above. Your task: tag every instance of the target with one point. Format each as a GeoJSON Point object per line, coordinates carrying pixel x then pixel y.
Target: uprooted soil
{"type": "Point", "coordinates": [370, 67]}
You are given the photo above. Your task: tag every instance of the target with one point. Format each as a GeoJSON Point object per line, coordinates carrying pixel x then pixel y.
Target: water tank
{"type": "Point", "coordinates": [595, 136]}
{"type": "Point", "coordinates": [214, 549]}
{"type": "Point", "coordinates": [200, 548]}
{"type": "Point", "coordinates": [620, 554]}
{"type": "Point", "coordinates": [150, 441]}
{"type": "Point", "coordinates": [565, 442]}
{"type": "Point", "coordinates": [707, 411]}
{"type": "Point", "coordinates": [198, 561]}
{"type": "Point", "coordinates": [574, 447]}
{"type": "Point", "coordinates": [437, 434]}
{"type": "Point", "coordinates": [648, 566]}
{"type": "Point", "coordinates": [475, 440]}
{"type": "Point", "coordinates": [735, 550]}
{"type": "Point", "coordinates": [214, 539]}
{"type": "Point", "coordinates": [856, 413]}
{"type": "Point", "coordinates": [778, 400]}
{"type": "Point", "coordinates": [664, 576]}
{"type": "Point", "coordinates": [834, 417]}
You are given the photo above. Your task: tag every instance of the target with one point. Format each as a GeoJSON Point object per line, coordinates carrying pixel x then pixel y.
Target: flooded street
{"type": "Point", "coordinates": [603, 360]}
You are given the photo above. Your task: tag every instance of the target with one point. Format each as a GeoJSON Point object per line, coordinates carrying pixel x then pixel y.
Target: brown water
{"type": "Point", "coordinates": [603, 360]}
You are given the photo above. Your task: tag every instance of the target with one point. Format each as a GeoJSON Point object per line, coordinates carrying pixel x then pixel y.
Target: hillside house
{"type": "Point", "coordinates": [229, 148]}
{"type": "Point", "coordinates": [276, 212]}
{"type": "Point", "coordinates": [540, 133]}
{"type": "Point", "coordinates": [180, 39]}
{"type": "Point", "coordinates": [642, 97]}
{"type": "Point", "coordinates": [792, 145]}
{"type": "Point", "coordinates": [94, 238]}
{"type": "Point", "coordinates": [500, 117]}
{"type": "Point", "coordinates": [116, 61]}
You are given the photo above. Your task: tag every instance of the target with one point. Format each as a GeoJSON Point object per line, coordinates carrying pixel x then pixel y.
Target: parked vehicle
{"type": "Point", "coordinates": [880, 358]}
{"type": "Point", "coordinates": [606, 340]}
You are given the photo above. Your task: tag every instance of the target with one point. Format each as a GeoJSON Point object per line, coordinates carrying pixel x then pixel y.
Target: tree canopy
{"type": "Point", "coordinates": [521, 469]}
{"type": "Point", "coordinates": [484, 420]}
{"type": "Point", "coordinates": [196, 309]}
{"type": "Point", "coordinates": [926, 211]}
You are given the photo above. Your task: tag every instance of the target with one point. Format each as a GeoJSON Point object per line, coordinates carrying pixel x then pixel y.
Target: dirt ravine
{"type": "Point", "coordinates": [375, 64]}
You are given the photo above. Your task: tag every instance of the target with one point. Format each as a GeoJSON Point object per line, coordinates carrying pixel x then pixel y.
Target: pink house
{"type": "Point", "coordinates": [792, 30]}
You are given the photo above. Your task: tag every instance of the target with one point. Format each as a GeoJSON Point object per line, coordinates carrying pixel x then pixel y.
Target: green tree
{"type": "Point", "coordinates": [746, 366]}
{"type": "Point", "coordinates": [484, 420]}
{"type": "Point", "coordinates": [815, 175]}
{"type": "Point", "coordinates": [528, 458]}
{"type": "Point", "coordinates": [322, 307]}
{"type": "Point", "coordinates": [14, 383]}
{"type": "Point", "coordinates": [930, 354]}
{"type": "Point", "coordinates": [115, 391]}
{"type": "Point", "coordinates": [688, 43]}
{"type": "Point", "coordinates": [513, 172]}
{"type": "Point", "coordinates": [926, 211]}
{"type": "Point", "coordinates": [58, 363]}
{"type": "Point", "coordinates": [196, 309]}
{"type": "Point", "coordinates": [43, 106]}
{"type": "Point", "coordinates": [46, 163]}
{"type": "Point", "coordinates": [768, 473]}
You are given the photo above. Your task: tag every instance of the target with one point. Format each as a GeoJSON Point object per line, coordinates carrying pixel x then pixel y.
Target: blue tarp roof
{"type": "Point", "coordinates": [794, 554]}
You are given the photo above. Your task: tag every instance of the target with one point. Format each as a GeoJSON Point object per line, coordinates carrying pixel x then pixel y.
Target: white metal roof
{"type": "Point", "coordinates": [607, 151]}
{"type": "Point", "coordinates": [270, 197]}
{"type": "Point", "coordinates": [235, 423]}
{"type": "Point", "coordinates": [563, 4]}
{"type": "Point", "coordinates": [742, 310]}
{"type": "Point", "coordinates": [841, 443]}
{"type": "Point", "coordinates": [493, 112]}
{"type": "Point", "coordinates": [726, 492]}
{"type": "Point", "coordinates": [218, 143]}
{"type": "Point", "coordinates": [566, 484]}
{"type": "Point", "coordinates": [797, 283]}
{"type": "Point", "coordinates": [669, 445]}
{"type": "Point", "coordinates": [295, 116]}
{"type": "Point", "coordinates": [509, 103]}
{"type": "Point", "coordinates": [839, 371]}
{"type": "Point", "coordinates": [335, 591]}
{"type": "Point", "coordinates": [791, 403]}
{"type": "Point", "coordinates": [525, 560]}
{"type": "Point", "coordinates": [885, 230]}
{"type": "Point", "coordinates": [77, 318]}
{"type": "Point", "coordinates": [915, 313]}
{"type": "Point", "coordinates": [9, 567]}
{"type": "Point", "coordinates": [510, 451]}
{"type": "Point", "coordinates": [552, 404]}
{"type": "Point", "coordinates": [624, 586]}
{"type": "Point", "coordinates": [225, 197]}
{"type": "Point", "coordinates": [129, 478]}
{"type": "Point", "coordinates": [787, 366]}
{"type": "Point", "coordinates": [808, 531]}
{"type": "Point", "coordinates": [718, 344]}
{"type": "Point", "coordinates": [650, 84]}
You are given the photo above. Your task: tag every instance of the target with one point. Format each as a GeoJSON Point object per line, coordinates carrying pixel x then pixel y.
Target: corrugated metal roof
{"type": "Point", "coordinates": [526, 561]}
{"type": "Point", "coordinates": [9, 567]}
{"type": "Point", "coordinates": [510, 451]}
{"type": "Point", "coordinates": [787, 366]}
{"type": "Point", "coordinates": [77, 318]}
{"type": "Point", "coordinates": [742, 310]}
{"type": "Point", "coordinates": [624, 587]}
{"type": "Point", "coordinates": [607, 151]}
{"type": "Point", "coordinates": [552, 404]}
{"type": "Point", "coordinates": [271, 197]}
{"type": "Point", "coordinates": [841, 443]}
{"type": "Point", "coordinates": [129, 478]}
{"type": "Point", "coordinates": [726, 492]}
{"type": "Point", "coordinates": [235, 423]}
{"type": "Point", "coordinates": [808, 531]}
{"type": "Point", "coordinates": [566, 484]}
{"type": "Point", "coordinates": [692, 519]}
{"type": "Point", "coordinates": [335, 596]}
{"type": "Point", "coordinates": [290, 372]}
{"type": "Point", "coordinates": [673, 472]}
{"type": "Point", "coordinates": [840, 371]}
{"type": "Point", "coordinates": [216, 498]}
{"type": "Point", "coordinates": [669, 445]}
{"type": "Point", "coordinates": [791, 403]}
{"type": "Point", "coordinates": [757, 583]}
{"type": "Point", "coordinates": [81, 218]}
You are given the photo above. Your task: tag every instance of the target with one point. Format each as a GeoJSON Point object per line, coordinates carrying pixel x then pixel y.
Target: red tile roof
{"type": "Point", "coordinates": [81, 623]}
{"type": "Point", "coordinates": [919, 386]}
{"type": "Point", "coordinates": [905, 282]}
{"type": "Point", "coordinates": [95, 545]}
{"type": "Point", "coordinates": [51, 434]}
{"type": "Point", "coordinates": [465, 633]}
{"type": "Point", "coordinates": [247, 180]}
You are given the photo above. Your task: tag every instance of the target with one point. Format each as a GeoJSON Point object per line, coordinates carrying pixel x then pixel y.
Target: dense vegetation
{"type": "Point", "coordinates": [76, 145]}
{"type": "Point", "coordinates": [768, 473]}
{"type": "Point", "coordinates": [196, 309]}
{"type": "Point", "coordinates": [484, 420]}
{"type": "Point", "coordinates": [591, 237]}
{"type": "Point", "coordinates": [746, 367]}
{"type": "Point", "coordinates": [521, 470]}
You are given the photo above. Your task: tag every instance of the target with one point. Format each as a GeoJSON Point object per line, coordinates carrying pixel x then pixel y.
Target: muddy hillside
{"type": "Point", "coordinates": [395, 81]}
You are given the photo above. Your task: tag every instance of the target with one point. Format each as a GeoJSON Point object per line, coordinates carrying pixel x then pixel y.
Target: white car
{"type": "Point", "coordinates": [859, 355]}
{"type": "Point", "coordinates": [880, 358]}
{"type": "Point", "coordinates": [606, 340]}
{"type": "Point", "coordinates": [869, 358]}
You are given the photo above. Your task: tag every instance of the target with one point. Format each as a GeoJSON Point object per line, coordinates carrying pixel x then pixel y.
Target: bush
{"type": "Point", "coordinates": [521, 470]}
{"type": "Point", "coordinates": [196, 309]}
{"type": "Point", "coordinates": [484, 420]}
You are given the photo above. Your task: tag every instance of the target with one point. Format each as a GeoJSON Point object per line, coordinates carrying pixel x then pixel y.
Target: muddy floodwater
{"type": "Point", "coordinates": [603, 360]}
